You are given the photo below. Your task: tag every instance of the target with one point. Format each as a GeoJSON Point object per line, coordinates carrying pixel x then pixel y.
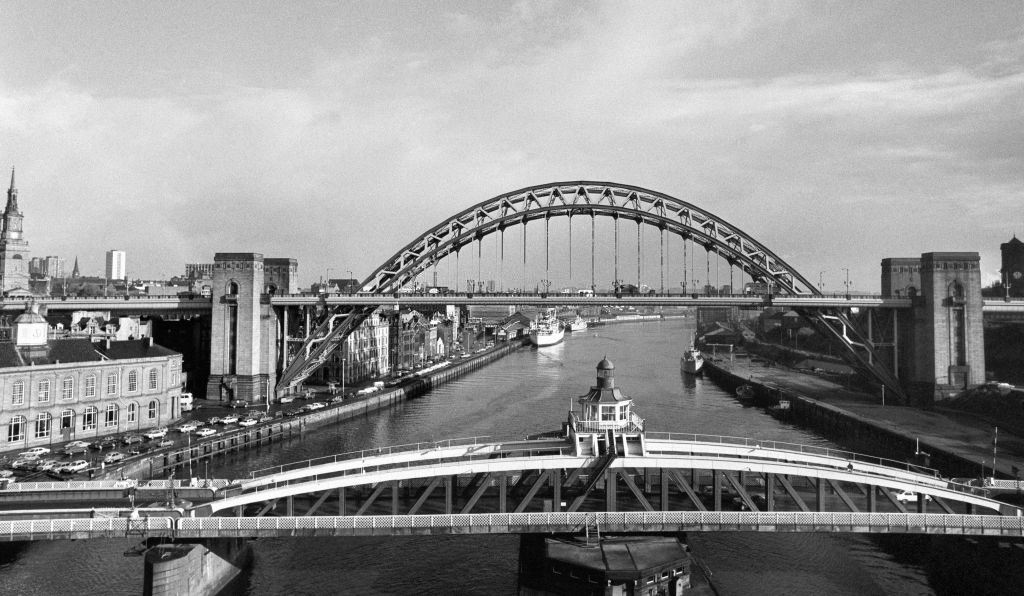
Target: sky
{"type": "Point", "coordinates": [835, 133]}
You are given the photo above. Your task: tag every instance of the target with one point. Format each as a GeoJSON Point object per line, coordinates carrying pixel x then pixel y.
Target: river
{"type": "Point", "coordinates": [525, 393]}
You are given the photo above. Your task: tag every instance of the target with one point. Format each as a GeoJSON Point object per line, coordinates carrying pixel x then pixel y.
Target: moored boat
{"type": "Point", "coordinates": [547, 331]}
{"type": "Point", "coordinates": [579, 324]}
{"type": "Point", "coordinates": [745, 394]}
{"type": "Point", "coordinates": [692, 360]}
{"type": "Point", "coordinates": [780, 410]}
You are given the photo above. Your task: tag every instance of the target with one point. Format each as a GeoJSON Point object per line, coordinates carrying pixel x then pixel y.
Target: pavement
{"type": "Point", "coordinates": [948, 430]}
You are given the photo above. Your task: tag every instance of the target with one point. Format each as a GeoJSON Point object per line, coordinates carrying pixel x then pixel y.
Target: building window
{"type": "Point", "coordinates": [67, 390]}
{"type": "Point", "coordinates": [154, 408]}
{"type": "Point", "coordinates": [44, 391]}
{"type": "Point", "coordinates": [89, 419]}
{"type": "Point", "coordinates": [16, 429]}
{"type": "Point", "coordinates": [153, 378]}
{"type": "Point", "coordinates": [607, 413]}
{"type": "Point", "coordinates": [18, 393]}
{"type": "Point", "coordinates": [42, 425]}
{"type": "Point", "coordinates": [67, 419]}
{"type": "Point", "coordinates": [90, 386]}
{"type": "Point", "coordinates": [133, 381]}
{"type": "Point", "coordinates": [112, 384]}
{"type": "Point", "coordinates": [133, 412]}
{"type": "Point", "coordinates": [110, 416]}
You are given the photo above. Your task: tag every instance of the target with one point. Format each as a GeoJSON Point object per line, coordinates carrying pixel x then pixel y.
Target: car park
{"type": "Point", "coordinates": [132, 439]}
{"type": "Point", "coordinates": [155, 433]}
{"type": "Point", "coordinates": [187, 427]}
{"type": "Point", "coordinates": [79, 465]}
{"type": "Point", "coordinates": [205, 432]}
{"type": "Point", "coordinates": [247, 422]}
{"type": "Point", "coordinates": [113, 457]}
{"type": "Point", "coordinates": [35, 452]}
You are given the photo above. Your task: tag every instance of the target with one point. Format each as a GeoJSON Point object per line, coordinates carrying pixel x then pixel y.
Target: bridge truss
{"type": "Point", "coordinates": [594, 199]}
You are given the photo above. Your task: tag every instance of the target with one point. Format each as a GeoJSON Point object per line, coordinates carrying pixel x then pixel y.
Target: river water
{"type": "Point", "coordinates": [525, 393]}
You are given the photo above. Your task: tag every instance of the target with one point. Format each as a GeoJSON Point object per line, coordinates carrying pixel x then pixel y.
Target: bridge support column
{"type": "Point", "coordinates": [769, 491]}
{"type": "Point", "coordinates": [872, 499]}
{"type": "Point", "coordinates": [244, 327]}
{"type": "Point", "coordinates": [200, 567]}
{"type": "Point", "coordinates": [610, 488]}
{"type": "Point", "coordinates": [820, 494]}
{"type": "Point", "coordinates": [943, 349]}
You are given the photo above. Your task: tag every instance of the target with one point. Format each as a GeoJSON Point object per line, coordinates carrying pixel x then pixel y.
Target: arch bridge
{"type": "Point", "coordinates": [651, 210]}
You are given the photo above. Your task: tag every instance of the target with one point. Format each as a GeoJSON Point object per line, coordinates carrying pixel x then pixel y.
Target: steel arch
{"type": "Point", "coordinates": [604, 199]}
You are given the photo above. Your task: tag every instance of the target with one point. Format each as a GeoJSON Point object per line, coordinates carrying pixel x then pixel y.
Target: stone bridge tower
{"type": "Point", "coordinates": [244, 326]}
{"type": "Point", "coordinates": [942, 348]}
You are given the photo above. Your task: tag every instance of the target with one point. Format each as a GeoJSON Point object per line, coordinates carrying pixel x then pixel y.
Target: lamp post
{"type": "Point", "coordinates": [847, 283]}
{"type": "Point", "coordinates": [328, 280]}
{"type": "Point", "coordinates": [343, 377]}
{"type": "Point", "coordinates": [821, 286]}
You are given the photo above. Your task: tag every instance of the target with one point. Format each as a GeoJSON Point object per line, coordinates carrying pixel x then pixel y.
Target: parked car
{"type": "Point", "coordinates": [229, 419]}
{"type": "Point", "coordinates": [205, 432]}
{"type": "Point", "coordinates": [140, 448]}
{"type": "Point", "coordinates": [24, 463]}
{"type": "Point", "coordinates": [155, 433]}
{"type": "Point", "coordinates": [48, 464]}
{"type": "Point", "coordinates": [78, 465]}
{"type": "Point", "coordinates": [107, 443]}
{"type": "Point", "coordinates": [337, 399]}
{"type": "Point", "coordinates": [286, 399]}
{"type": "Point", "coordinates": [238, 403]}
{"type": "Point", "coordinates": [264, 417]}
{"type": "Point", "coordinates": [113, 457]}
{"type": "Point", "coordinates": [77, 444]}
{"type": "Point", "coordinates": [73, 449]}
{"type": "Point", "coordinates": [214, 420]}
{"type": "Point", "coordinates": [247, 422]}
{"type": "Point", "coordinates": [165, 443]}
{"type": "Point", "coordinates": [187, 427]}
{"type": "Point", "coordinates": [315, 406]}
{"type": "Point", "coordinates": [132, 439]}
{"type": "Point", "coordinates": [293, 412]}
{"type": "Point", "coordinates": [35, 452]}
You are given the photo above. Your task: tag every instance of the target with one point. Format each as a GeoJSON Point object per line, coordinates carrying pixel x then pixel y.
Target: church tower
{"type": "Point", "coordinates": [13, 247]}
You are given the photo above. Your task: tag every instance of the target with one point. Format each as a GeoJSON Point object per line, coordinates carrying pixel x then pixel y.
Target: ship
{"type": "Point", "coordinates": [579, 324]}
{"type": "Point", "coordinates": [547, 331]}
{"type": "Point", "coordinates": [692, 360]}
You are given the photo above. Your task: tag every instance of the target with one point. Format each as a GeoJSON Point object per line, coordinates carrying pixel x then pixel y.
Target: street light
{"type": "Point", "coordinates": [847, 283]}
{"type": "Point", "coordinates": [821, 286]}
{"type": "Point", "coordinates": [349, 283]}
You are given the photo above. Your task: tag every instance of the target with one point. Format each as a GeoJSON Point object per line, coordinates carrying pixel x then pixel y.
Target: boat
{"type": "Point", "coordinates": [547, 331]}
{"type": "Point", "coordinates": [745, 393]}
{"type": "Point", "coordinates": [781, 410]}
{"type": "Point", "coordinates": [579, 324]}
{"type": "Point", "coordinates": [692, 360]}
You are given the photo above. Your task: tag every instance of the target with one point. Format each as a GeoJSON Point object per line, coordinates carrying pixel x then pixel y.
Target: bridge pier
{"type": "Point", "coordinates": [941, 345]}
{"type": "Point", "coordinates": [194, 567]}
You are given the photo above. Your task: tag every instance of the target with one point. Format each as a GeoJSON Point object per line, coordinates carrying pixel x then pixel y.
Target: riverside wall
{"type": "Point", "coordinates": [853, 431]}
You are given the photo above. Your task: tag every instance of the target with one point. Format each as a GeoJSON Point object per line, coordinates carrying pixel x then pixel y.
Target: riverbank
{"type": "Point", "coordinates": [190, 457]}
{"type": "Point", "coordinates": [956, 443]}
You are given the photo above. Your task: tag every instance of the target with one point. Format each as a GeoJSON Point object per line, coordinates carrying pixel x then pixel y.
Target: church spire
{"type": "Point", "coordinates": [74, 272]}
{"type": "Point", "coordinates": [12, 196]}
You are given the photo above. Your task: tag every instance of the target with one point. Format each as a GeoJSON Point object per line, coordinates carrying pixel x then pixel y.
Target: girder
{"type": "Point", "coordinates": [596, 199]}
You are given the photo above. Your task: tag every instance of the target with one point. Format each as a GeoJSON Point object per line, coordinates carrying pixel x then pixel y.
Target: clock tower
{"type": "Point", "coordinates": [1012, 272]}
{"type": "Point", "coordinates": [13, 247]}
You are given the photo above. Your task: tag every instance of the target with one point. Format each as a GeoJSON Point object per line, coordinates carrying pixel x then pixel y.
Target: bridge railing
{"type": "Point", "coordinates": [364, 453]}
{"type": "Point", "coordinates": [633, 424]}
{"type": "Point", "coordinates": [849, 456]}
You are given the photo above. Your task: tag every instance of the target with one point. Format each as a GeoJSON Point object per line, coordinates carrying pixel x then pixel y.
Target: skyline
{"type": "Point", "coordinates": [296, 130]}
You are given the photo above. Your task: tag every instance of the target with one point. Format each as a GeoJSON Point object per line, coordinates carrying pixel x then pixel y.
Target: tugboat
{"type": "Point", "coordinates": [692, 360]}
{"type": "Point", "coordinates": [745, 394]}
{"type": "Point", "coordinates": [547, 331]}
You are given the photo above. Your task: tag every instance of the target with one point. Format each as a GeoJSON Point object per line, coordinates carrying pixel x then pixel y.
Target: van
{"type": "Point", "coordinates": [185, 401]}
